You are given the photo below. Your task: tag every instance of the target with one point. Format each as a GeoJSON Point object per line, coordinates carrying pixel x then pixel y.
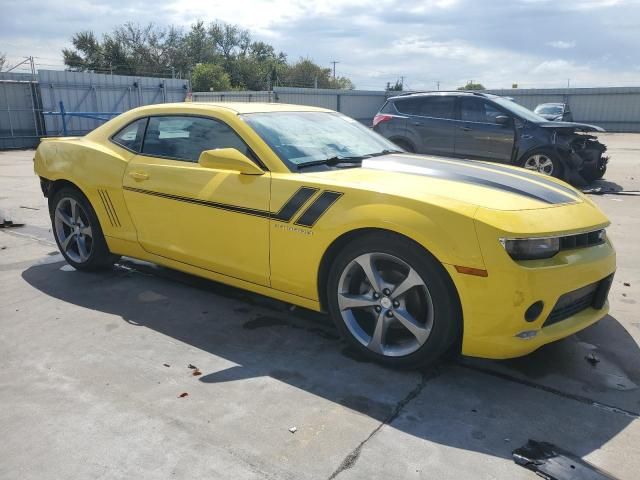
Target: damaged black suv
{"type": "Point", "coordinates": [488, 127]}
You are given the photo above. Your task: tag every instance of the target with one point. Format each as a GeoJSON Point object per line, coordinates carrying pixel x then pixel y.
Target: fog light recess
{"type": "Point", "coordinates": [534, 311]}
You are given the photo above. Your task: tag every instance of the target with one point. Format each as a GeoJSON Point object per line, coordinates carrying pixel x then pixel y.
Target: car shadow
{"type": "Point", "coordinates": [602, 187]}
{"type": "Point", "coordinates": [457, 401]}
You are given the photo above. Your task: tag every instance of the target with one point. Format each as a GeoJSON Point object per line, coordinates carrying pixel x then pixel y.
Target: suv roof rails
{"type": "Point", "coordinates": [469, 92]}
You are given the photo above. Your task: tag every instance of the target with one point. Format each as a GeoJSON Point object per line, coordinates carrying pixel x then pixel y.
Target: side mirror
{"type": "Point", "coordinates": [503, 120]}
{"type": "Point", "coordinates": [229, 159]}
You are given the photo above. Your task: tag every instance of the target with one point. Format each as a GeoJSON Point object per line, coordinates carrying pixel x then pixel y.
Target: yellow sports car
{"type": "Point", "coordinates": [411, 255]}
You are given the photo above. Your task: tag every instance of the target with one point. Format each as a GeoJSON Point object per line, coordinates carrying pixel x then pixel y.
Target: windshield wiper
{"type": "Point", "coordinates": [384, 152]}
{"type": "Point", "coordinates": [333, 161]}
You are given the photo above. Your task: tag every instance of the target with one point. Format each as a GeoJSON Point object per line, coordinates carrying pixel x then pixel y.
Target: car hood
{"type": "Point", "coordinates": [448, 181]}
{"type": "Point", "coordinates": [580, 127]}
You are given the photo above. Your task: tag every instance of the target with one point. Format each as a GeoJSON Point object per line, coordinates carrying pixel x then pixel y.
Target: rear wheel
{"type": "Point", "coordinates": [77, 231]}
{"type": "Point", "coordinates": [543, 161]}
{"type": "Point", "coordinates": [392, 301]}
{"type": "Point", "coordinates": [405, 145]}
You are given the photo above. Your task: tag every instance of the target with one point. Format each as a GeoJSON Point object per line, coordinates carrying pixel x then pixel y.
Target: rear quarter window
{"type": "Point", "coordinates": [130, 137]}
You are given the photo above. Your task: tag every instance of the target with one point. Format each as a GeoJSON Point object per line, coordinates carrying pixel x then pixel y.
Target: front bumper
{"type": "Point", "coordinates": [494, 307]}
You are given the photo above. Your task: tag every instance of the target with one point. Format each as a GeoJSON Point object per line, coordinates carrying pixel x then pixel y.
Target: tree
{"type": "Point", "coordinates": [133, 49]}
{"type": "Point", "coordinates": [472, 86]}
{"type": "Point", "coordinates": [3, 60]}
{"type": "Point", "coordinates": [397, 87]}
{"type": "Point", "coordinates": [207, 77]}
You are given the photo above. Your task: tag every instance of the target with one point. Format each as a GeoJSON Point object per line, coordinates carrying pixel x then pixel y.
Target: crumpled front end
{"type": "Point", "coordinates": [583, 153]}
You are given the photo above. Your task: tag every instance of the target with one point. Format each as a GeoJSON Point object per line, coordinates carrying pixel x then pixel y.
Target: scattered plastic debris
{"type": "Point", "coordinates": [554, 463]}
{"type": "Point", "coordinates": [67, 268]}
{"type": "Point", "coordinates": [166, 365]}
{"type": "Point", "coordinates": [293, 429]}
{"type": "Point", "coordinates": [592, 359]}
{"type": "Point", "coordinates": [196, 372]}
{"type": "Point", "coordinates": [183, 394]}
{"type": "Point", "coordinates": [28, 208]}
{"type": "Point", "coordinates": [9, 224]}
{"type": "Point", "coordinates": [192, 367]}
{"type": "Point", "coordinates": [626, 284]}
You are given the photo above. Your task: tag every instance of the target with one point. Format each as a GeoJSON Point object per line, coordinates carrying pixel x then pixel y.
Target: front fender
{"type": "Point", "coordinates": [297, 253]}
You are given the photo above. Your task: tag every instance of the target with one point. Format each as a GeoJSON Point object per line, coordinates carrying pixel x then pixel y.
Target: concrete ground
{"type": "Point", "coordinates": [93, 368]}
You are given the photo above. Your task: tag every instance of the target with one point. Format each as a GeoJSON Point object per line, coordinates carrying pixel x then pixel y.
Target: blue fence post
{"type": "Point", "coordinates": [64, 121]}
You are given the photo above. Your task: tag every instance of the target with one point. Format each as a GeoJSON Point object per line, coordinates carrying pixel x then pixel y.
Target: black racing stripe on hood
{"type": "Point", "coordinates": [521, 173]}
{"type": "Point", "coordinates": [461, 172]}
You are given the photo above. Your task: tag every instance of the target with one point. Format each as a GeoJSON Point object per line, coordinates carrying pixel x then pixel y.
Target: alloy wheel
{"type": "Point", "coordinates": [539, 163]}
{"type": "Point", "coordinates": [73, 230]}
{"type": "Point", "coordinates": [385, 304]}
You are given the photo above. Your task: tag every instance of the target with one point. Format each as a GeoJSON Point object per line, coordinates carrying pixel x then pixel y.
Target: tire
{"type": "Point", "coordinates": [405, 145]}
{"type": "Point", "coordinates": [374, 320]}
{"type": "Point", "coordinates": [593, 174]}
{"type": "Point", "coordinates": [77, 231]}
{"type": "Point", "coordinates": [543, 160]}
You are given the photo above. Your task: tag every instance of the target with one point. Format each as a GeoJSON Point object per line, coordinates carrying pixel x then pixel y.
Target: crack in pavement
{"type": "Point", "coordinates": [351, 459]}
{"type": "Point", "coordinates": [553, 391]}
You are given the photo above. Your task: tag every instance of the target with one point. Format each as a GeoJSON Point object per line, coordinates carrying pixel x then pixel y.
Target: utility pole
{"type": "Point", "coordinates": [438, 84]}
{"type": "Point", "coordinates": [568, 82]}
{"type": "Point", "coordinates": [334, 68]}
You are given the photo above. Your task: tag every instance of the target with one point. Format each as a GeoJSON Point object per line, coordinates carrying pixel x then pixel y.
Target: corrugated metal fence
{"type": "Point", "coordinates": [24, 101]}
{"type": "Point", "coordinates": [616, 109]}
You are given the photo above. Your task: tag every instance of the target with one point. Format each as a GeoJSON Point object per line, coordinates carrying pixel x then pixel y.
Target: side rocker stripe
{"type": "Point", "coordinates": [314, 211]}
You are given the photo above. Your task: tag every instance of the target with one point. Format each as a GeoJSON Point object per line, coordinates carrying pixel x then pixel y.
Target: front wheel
{"type": "Point", "coordinates": [393, 301]}
{"type": "Point", "coordinates": [77, 231]}
{"type": "Point", "coordinates": [543, 161]}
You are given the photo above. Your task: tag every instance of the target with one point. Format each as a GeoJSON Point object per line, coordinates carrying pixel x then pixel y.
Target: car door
{"type": "Point", "coordinates": [478, 135]}
{"type": "Point", "coordinates": [214, 219]}
{"type": "Point", "coordinates": [431, 119]}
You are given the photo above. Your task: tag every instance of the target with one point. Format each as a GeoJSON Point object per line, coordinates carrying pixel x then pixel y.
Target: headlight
{"type": "Point", "coordinates": [531, 248]}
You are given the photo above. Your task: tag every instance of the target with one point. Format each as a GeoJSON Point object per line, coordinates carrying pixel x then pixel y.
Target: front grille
{"type": "Point", "coordinates": [571, 303]}
{"type": "Point", "coordinates": [582, 240]}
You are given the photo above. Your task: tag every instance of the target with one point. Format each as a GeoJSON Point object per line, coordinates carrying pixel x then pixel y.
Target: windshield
{"type": "Point", "coordinates": [519, 110]}
{"type": "Point", "coordinates": [299, 138]}
{"type": "Point", "coordinates": [549, 109]}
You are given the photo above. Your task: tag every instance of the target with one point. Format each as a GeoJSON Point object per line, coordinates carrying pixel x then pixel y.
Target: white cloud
{"type": "Point", "coordinates": [561, 44]}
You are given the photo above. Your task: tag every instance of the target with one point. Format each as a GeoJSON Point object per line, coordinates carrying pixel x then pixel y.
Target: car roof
{"type": "Point", "coordinates": [551, 103]}
{"type": "Point", "coordinates": [238, 107]}
{"type": "Point", "coordinates": [456, 93]}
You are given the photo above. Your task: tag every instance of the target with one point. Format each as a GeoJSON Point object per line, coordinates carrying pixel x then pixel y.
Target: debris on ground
{"type": "Point", "coordinates": [183, 394]}
{"type": "Point", "coordinates": [9, 224]}
{"type": "Point", "coordinates": [196, 372]}
{"type": "Point", "coordinates": [166, 365]}
{"type": "Point", "coordinates": [3, 248]}
{"type": "Point", "coordinates": [192, 367]}
{"type": "Point", "coordinates": [592, 359]}
{"type": "Point", "coordinates": [293, 429]}
{"type": "Point", "coordinates": [554, 463]}
{"type": "Point", "coordinates": [626, 284]}
{"type": "Point", "coordinates": [28, 208]}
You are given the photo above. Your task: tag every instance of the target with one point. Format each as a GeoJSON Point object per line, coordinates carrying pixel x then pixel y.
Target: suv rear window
{"type": "Point", "coordinates": [435, 107]}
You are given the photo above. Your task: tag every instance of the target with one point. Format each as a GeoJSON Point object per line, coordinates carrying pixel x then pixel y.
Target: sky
{"type": "Point", "coordinates": [533, 43]}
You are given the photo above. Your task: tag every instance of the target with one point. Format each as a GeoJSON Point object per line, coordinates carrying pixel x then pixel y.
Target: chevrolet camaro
{"type": "Point", "coordinates": [411, 255]}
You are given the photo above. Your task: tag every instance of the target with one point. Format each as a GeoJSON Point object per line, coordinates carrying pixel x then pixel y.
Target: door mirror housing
{"type": "Point", "coordinates": [229, 159]}
{"type": "Point", "coordinates": [503, 120]}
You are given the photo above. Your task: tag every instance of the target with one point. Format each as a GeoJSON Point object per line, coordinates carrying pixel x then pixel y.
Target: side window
{"type": "Point", "coordinates": [130, 137]}
{"type": "Point", "coordinates": [477, 110]}
{"type": "Point", "coordinates": [185, 138]}
{"type": "Point", "coordinates": [435, 107]}
{"type": "Point", "coordinates": [387, 108]}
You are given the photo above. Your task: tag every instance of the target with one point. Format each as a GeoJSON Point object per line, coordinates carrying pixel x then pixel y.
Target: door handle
{"type": "Point", "coordinates": [139, 176]}
{"type": "Point", "coordinates": [466, 129]}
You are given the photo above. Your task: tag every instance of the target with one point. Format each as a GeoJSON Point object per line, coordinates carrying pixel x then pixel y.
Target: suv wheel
{"type": "Point", "coordinates": [543, 161]}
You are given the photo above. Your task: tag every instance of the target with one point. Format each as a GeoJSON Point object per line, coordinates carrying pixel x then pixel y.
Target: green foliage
{"type": "Point", "coordinates": [207, 77]}
{"type": "Point", "coordinates": [397, 87]}
{"type": "Point", "coordinates": [472, 86]}
{"type": "Point", "coordinates": [219, 56]}
{"type": "Point", "coordinates": [3, 60]}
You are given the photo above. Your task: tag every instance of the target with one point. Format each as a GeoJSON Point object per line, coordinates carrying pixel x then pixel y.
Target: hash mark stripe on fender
{"type": "Point", "coordinates": [297, 200]}
{"type": "Point", "coordinates": [314, 211]}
